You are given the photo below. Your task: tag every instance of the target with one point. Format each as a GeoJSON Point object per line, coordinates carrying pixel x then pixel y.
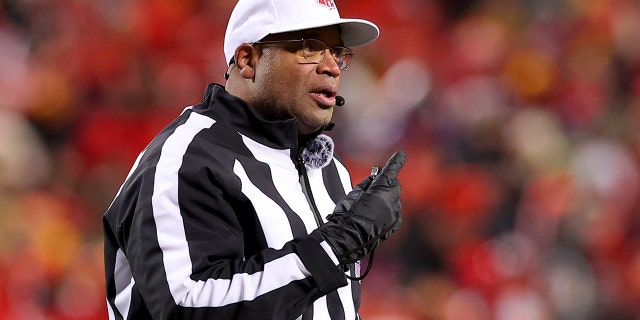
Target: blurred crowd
{"type": "Point", "coordinates": [519, 119]}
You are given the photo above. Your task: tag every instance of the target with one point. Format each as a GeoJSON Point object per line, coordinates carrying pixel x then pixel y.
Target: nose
{"type": "Point", "coordinates": [328, 65]}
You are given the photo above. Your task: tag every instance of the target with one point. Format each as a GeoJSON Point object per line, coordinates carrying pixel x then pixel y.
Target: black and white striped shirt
{"type": "Point", "coordinates": [213, 222]}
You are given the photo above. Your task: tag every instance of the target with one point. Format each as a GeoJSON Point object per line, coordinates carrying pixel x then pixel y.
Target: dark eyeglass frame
{"type": "Point", "coordinates": [342, 55]}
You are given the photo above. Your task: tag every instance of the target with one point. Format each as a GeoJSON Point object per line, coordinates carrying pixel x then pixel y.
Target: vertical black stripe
{"type": "Point", "coordinates": [355, 291]}
{"type": "Point", "coordinates": [334, 304]}
{"type": "Point", "coordinates": [332, 182]}
{"type": "Point", "coordinates": [216, 142]}
{"type": "Point", "coordinates": [142, 242]}
{"type": "Point", "coordinates": [139, 304]}
{"type": "Point", "coordinates": [121, 216]}
{"type": "Point", "coordinates": [334, 186]}
{"type": "Point", "coordinates": [144, 248]}
{"type": "Point", "coordinates": [257, 171]}
{"type": "Point", "coordinates": [308, 313]}
{"type": "Point", "coordinates": [110, 253]}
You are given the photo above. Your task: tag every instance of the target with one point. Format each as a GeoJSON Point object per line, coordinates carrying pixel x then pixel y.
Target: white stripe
{"type": "Point", "coordinates": [166, 210]}
{"type": "Point", "coordinates": [123, 278]}
{"type": "Point", "coordinates": [346, 296]}
{"type": "Point", "coordinates": [320, 194]}
{"type": "Point", "coordinates": [329, 252]}
{"type": "Point", "coordinates": [320, 309]}
{"type": "Point", "coordinates": [124, 284]}
{"type": "Point", "coordinates": [345, 293]}
{"type": "Point", "coordinates": [344, 176]}
{"type": "Point", "coordinates": [285, 178]}
{"type": "Point", "coordinates": [273, 220]}
{"type": "Point", "coordinates": [246, 287]}
{"type": "Point", "coordinates": [112, 315]}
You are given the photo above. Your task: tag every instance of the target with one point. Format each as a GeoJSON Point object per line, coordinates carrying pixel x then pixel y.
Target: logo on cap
{"type": "Point", "coordinates": [327, 3]}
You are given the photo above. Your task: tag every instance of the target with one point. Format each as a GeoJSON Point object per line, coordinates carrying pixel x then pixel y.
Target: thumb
{"type": "Point", "coordinates": [391, 168]}
{"type": "Point", "coordinates": [364, 184]}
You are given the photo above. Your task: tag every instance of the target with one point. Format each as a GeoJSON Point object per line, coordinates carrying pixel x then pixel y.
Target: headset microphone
{"type": "Point", "coordinates": [339, 101]}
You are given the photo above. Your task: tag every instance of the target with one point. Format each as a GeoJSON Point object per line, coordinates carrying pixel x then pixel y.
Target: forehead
{"type": "Point", "coordinates": [329, 35]}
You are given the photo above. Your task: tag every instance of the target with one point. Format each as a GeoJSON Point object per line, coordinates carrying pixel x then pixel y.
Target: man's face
{"type": "Point", "coordinates": [286, 86]}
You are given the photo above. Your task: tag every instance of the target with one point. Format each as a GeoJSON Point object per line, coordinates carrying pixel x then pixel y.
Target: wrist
{"type": "Point", "coordinates": [322, 263]}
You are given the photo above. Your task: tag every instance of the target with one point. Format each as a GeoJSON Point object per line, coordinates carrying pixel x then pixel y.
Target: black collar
{"type": "Point", "coordinates": [234, 112]}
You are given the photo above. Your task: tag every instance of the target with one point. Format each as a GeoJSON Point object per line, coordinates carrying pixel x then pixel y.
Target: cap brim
{"type": "Point", "coordinates": [354, 32]}
{"type": "Point", "coordinates": [358, 32]}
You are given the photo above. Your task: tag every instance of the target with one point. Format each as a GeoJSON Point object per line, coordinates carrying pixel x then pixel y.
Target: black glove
{"type": "Point", "coordinates": [367, 215]}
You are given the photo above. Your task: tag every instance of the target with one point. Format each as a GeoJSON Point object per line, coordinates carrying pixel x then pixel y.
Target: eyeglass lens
{"type": "Point", "coordinates": [314, 50]}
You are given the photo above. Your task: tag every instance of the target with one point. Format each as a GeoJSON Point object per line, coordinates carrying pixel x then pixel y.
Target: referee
{"type": "Point", "coordinates": [239, 208]}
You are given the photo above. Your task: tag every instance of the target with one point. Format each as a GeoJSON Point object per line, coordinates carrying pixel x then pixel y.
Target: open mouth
{"type": "Point", "coordinates": [325, 98]}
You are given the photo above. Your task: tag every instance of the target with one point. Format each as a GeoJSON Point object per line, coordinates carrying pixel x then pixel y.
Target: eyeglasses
{"type": "Point", "coordinates": [313, 51]}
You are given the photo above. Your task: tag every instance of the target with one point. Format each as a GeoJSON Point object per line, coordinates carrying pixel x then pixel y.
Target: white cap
{"type": "Point", "coordinates": [252, 20]}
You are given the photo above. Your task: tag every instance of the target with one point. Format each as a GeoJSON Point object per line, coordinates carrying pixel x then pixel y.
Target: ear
{"type": "Point", "coordinates": [245, 58]}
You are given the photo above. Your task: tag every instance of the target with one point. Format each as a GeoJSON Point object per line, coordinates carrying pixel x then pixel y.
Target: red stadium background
{"type": "Point", "coordinates": [520, 120]}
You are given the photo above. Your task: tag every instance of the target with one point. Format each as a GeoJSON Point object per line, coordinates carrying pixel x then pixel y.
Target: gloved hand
{"type": "Point", "coordinates": [367, 215]}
